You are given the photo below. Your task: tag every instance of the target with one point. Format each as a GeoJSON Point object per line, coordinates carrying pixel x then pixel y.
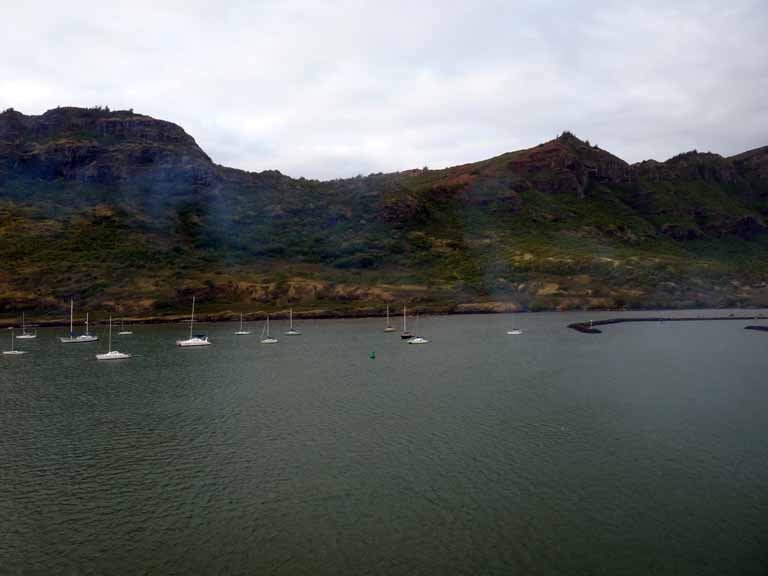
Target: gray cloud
{"type": "Point", "coordinates": [333, 89]}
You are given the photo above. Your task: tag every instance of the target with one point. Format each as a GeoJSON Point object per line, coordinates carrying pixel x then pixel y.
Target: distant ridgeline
{"type": "Point", "coordinates": [126, 212]}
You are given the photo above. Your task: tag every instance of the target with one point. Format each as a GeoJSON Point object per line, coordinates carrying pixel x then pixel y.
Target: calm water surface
{"type": "Point", "coordinates": [640, 451]}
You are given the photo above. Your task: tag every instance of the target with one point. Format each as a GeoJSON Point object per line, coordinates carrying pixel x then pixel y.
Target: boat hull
{"type": "Point", "coordinates": [192, 343]}
{"type": "Point", "coordinates": [114, 355]}
{"type": "Point", "coordinates": [78, 339]}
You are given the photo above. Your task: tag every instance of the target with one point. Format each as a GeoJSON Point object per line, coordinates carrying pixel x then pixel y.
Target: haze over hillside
{"type": "Point", "coordinates": [126, 212]}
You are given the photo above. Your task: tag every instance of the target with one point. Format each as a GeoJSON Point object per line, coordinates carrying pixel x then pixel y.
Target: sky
{"type": "Point", "coordinates": [334, 89]}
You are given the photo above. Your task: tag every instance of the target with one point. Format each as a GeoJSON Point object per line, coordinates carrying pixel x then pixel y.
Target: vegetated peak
{"type": "Point", "coordinates": [9, 113]}
{"type": "Point", "coordinates": [762, 151]}
{"type": "Point", "coordinates": [568, 137]}
{"type": "Point", "coordinates": [691, 165]}
{"type": "Point", "coordinates": [695, 156]}
{"type": "Point", "coordinates": [74, 112]}
{"type": "Point", "coordinates": [560, 149]}
{"type": "Point", "coordinates": [753, 164]}
{"type": "Point", "coordinates": [566, 164]}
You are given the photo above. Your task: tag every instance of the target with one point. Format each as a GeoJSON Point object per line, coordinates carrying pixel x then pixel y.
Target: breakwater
{"type": "Point", "coordinates": [591, 326]}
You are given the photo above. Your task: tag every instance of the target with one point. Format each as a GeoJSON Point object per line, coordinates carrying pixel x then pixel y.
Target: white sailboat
{"type": "Point", "coordinates": [242, 332]}
{"type": "Point", "coordinates": [123, 331]}
{"type": "Point", "coordinates": [265, 337]}
{"type": "Point", "coordinates": [112, 354]}
{"type": "Point", "coordinates": [194, 339]}
{"type": "Point", "coordinates": [388, 327]}
{"type": "Point", "coordinates": [24, 334]}
{"type": "Point", "coordinates": [13, 351]}
{"type": "Point", "coordinates": [405, 334]}
{"type": "Point", "coordinates": [418, 339]}
{"type": "Point", "coordinates": [291, 330]}
{"type": "Point", "coordinates": [72, 339]}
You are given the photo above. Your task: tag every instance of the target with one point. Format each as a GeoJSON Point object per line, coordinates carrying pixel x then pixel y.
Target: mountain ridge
{"type": "Point", "coordinates": [560, 225]}
{"type": "Point", "coordinates": [106, 122]}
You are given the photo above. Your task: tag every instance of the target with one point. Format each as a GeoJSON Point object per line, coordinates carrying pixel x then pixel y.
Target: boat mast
{"type": "Point", "coordinates": [387, 315]}
{"type": "Point", "coordinates": [192, 321]}
{"type": "Point", "coordinates": [290, 316]}
{"type": "Point", "coordinates": [404, 321]}
{"type": "Point", "coordinates": [71, 317]}
{"type": "Point", "coordinates": [109, 348]}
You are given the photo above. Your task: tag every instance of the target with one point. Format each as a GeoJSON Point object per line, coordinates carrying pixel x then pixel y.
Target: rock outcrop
{"type": "Point", "coordinates": [688, 166]}
{"type": "Point", "coordinates": [100, 146]}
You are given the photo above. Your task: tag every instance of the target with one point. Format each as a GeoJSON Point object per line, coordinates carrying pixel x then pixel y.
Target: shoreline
{"type": "Point", "coordinates": [229, 316]}
{"type": "Point", "coordinates": [361, 313]}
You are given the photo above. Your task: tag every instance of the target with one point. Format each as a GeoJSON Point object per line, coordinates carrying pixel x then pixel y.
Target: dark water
{"type": "Point", "coordinates": [640, 451]}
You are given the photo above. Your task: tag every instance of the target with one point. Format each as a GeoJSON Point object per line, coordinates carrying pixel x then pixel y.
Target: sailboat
{"type": "Point", "coordinates": [123, 331]}
{"type": "Point", "coordinates": [265, 337]}
{"type": "Point", "coordinates": [291, 330]}
{"type": "Point", "coordinates": [112, 354]}
{"type": "Point", "coordinates": [87, 329]}
{"type": "Point", "coordinates": [13, 351]}
{"type": "Point", "coordinates": [194, 339]}
{"type": "Point", "coordinates": [24, 334]}
{"type": "Point", "coordinates": [388, 327]}
{"type": "Point", "coordinates": [418, 339]}
{"type": "Point", "coordinates": [405, 334]}
{"type": "Point", "coordinates": [242, 332]}
{"type": "Point", "coordinates": [72, 339]}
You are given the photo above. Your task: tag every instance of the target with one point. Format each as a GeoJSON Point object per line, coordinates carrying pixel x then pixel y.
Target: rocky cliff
{"type": "Point", "coordinates": [100, 146]}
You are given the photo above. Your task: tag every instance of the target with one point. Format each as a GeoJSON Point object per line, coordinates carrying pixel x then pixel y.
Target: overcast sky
{"type": "Point", "coordinates": [332, 89]}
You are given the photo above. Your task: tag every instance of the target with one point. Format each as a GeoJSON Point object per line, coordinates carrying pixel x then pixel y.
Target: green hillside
{"type": "Point", "coordinates": [124, 212]}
